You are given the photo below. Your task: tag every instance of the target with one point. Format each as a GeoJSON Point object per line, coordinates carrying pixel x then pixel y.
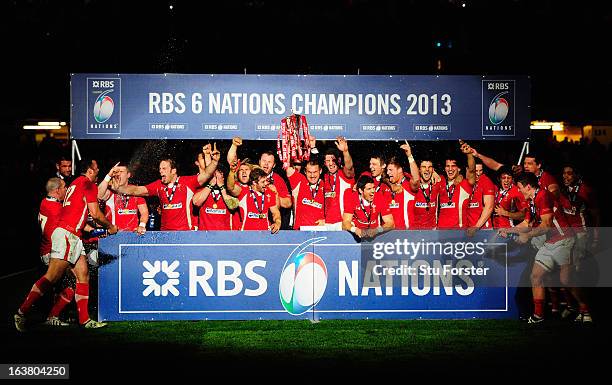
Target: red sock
{"type": "Point", "coordinates": [82, 300]}
{"type": "Point", "coordinates": [62, 300]}
{"type": "Point", "coordinates": [584, 308]}
{"type": "Point", "coordinates": [538, 307]}
{"type": "Point", "coordinates": [38, 290]}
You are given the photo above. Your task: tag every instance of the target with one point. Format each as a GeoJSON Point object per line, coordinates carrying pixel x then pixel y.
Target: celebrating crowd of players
{"type": "Point", "coordinates": [400, 193]}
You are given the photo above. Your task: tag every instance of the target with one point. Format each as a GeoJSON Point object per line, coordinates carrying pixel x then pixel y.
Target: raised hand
{"type": "Point", "coordinates": [206, 150]}
{"type": "Point", "coordinates": [341, 144]}
{"type": "Point", "coordinates": [465, 148]}
{"type": "Point", "coordinates": [312, 142]}
{"type": "Point", "coordinates": [113, 171]}
{"type": "Point", "coordinates": [215, 154]}
{"type": "Point", "coordinates": [406, 148]}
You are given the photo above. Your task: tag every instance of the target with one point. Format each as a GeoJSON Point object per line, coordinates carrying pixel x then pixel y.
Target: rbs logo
{"type": "Point", "coordinates": [103, 83]}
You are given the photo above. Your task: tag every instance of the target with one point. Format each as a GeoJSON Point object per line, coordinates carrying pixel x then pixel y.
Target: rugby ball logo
{"type": "Point", "coordinates": [104, 107]}
{"type": "Point", "coordinates": [303, 280]}
{"type": "Point", "coordinates": [498, 109]}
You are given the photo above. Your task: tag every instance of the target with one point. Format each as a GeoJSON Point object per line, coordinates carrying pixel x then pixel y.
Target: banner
{"type": "Point", "coordinates": [313, 275]}
{"type": "Point", "coordinates": [358, 107]}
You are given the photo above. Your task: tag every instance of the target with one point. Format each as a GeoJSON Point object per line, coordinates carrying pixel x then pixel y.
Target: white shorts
{"type": "Point", "coordinates": [66, 246]}
{"type": "Point", "coordinates": [334, 226]}
{"type": "Point", "coordinates": [555, 254]}
{"type": "Point", "coordinates": [538, 242]}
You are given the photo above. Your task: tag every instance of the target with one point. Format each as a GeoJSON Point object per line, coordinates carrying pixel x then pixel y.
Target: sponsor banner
{"type": "Point", "coordinates": [314, 275]}
{"type": "Point", "coordinates": [359, 107]}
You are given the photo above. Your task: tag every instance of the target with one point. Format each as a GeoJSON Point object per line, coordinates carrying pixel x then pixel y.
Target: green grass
{"type": "Point", "coordinates": [356, 347]}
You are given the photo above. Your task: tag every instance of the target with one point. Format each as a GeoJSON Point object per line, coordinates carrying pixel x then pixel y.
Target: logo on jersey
{"type": "Point", "coordinates": [215, 211]}
{"type": "Point", "coordinates": [424, 204]}
{"type": "Point", "coordinates": [498, 108]}
{"type": "Point", "coordinates": [173, 206]}
{"type": "Point", "coordinates": [312, 203]}
{"type": "Point", "coordinates": [303, 280]}
{"type": "Point", "coordinates": [153, 270]}
{"type": "Point", "coordinates": [104, 105]}
{"type": "Point", "coordinates": [253, 215]}
{"type": "Point", "coordinates": [127, 211]}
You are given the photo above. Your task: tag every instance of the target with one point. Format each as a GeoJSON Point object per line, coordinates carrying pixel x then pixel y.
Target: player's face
{"type": "Point", "coordinates": [451, 169]}
{"type": "Point", "coordinates": [569, 177]}
{"type": "Point", "coordinates": [65, 168]}
{"type": "Point", "coordinates": [94, 169]}
{"type": "Point", "coordinates": [368, 192]}
{"type": "Point", "coordinates": [395, 173]}
{"type": "Point", "coordinates": [376, 168]}
{"type": "Point", "coordinates": [426, 170]}
{"type": "Point", "coordinates": [267, 162]}
{"type": "Point", "coordinates": [243, 174]}
{"type": "Point", "coordinates": [530, 165]}
{"type": "Point", "coordinates": [261, 184]}
{"type": "Point", "coordinates": [122, 175]}
{"type": "Point", "coordinates": [166, 173]}
{"type": "Point", "coordinates": [313, 173]}
{"type": "Point", "coordinates": [525, 190]}
{"type": "Point", "coordinates": [506, 181]}
{"type": "Point", "coordinates": [61, 191]}
{"type": "Point", "coordinates": [330, 163]}
{"type": "Point", "coordinates": [479, 171]}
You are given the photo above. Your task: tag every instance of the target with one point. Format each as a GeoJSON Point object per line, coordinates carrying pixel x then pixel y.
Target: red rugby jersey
{"type": "Point", "coordinates": [175, 200]}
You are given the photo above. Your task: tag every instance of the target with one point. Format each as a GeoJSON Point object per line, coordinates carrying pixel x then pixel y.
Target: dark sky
{"type": "Point", "coordinates": [563, 47]}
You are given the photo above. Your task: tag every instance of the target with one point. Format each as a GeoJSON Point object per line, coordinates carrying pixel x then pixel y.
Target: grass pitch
{"type": "Point", "coordinates": [300, 349]}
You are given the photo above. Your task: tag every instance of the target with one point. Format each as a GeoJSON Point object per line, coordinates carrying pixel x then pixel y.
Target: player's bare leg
{"type": "Point", "coordinates": [81, 271]}
{"type": "Point", "coordinates": [539, 293]}
{"type": "Point", "coordinates": [56, 269]}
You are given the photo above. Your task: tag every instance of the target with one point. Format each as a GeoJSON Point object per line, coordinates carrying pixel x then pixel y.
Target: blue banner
{"type": "Point", "coordinates": [364, 107]}
{"type": "Point", "coordinates": [313, 275]}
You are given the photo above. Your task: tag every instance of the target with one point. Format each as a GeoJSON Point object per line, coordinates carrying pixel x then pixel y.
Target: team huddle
{"type": "Point", "coordinates": [400, 193]}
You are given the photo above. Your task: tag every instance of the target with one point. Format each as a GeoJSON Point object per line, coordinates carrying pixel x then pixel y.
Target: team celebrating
{"type": "Point", "coordinates": [523, 202]}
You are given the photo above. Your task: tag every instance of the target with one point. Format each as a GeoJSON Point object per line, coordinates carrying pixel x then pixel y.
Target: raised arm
{"type": "Point", "coordinates": [414, 170]}
{"type": "Point", "coordinates": [342, 145]}
{"type": "Point", "coordinates": [209, 171]}
{"type": "Point", "coordinates": [233, 187]}
{"type": "Point", "coordinates": [232, 154]}
{"type": "Point", "coordinates": [103, 192]}
{"type": "Point", "coordinates": [139, 191]}
{"type": "Point", "coordinates": [489, 162]}
{"type": "Point", "coordinates": [470, 172]}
